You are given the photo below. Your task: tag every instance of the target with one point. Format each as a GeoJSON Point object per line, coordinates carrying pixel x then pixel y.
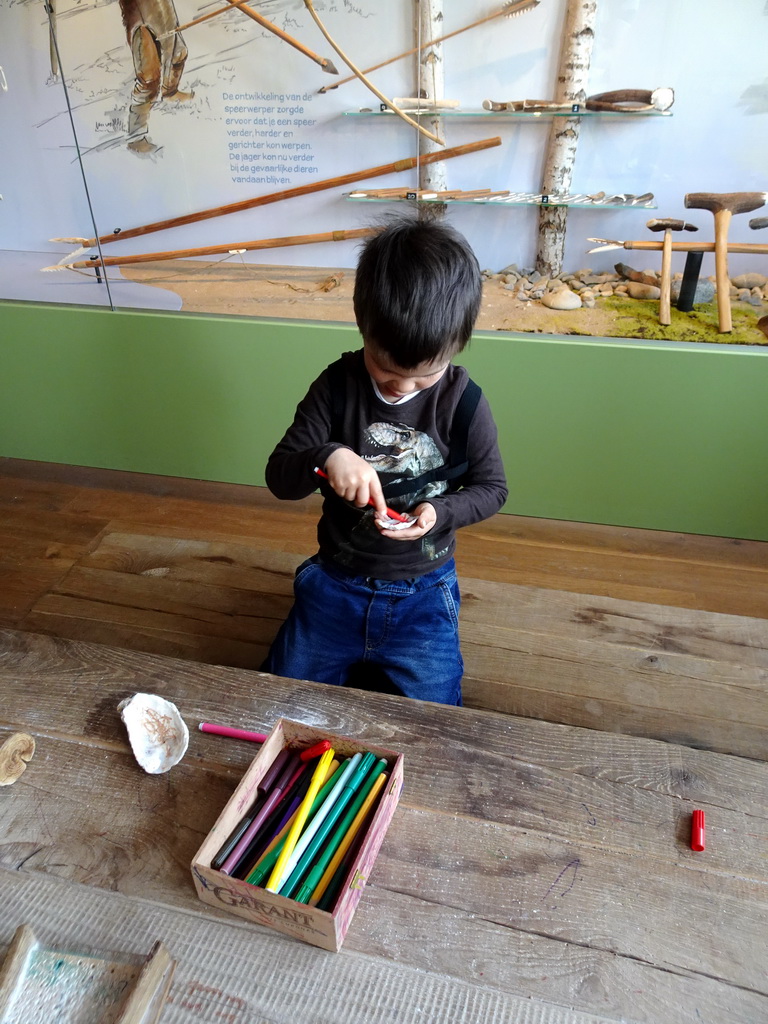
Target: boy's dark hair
{"type": "Point", "coordinates": [417, 292]}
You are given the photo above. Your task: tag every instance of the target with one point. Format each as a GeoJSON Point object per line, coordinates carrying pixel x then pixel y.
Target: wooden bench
{"type": "Point", "coordinates": [648, 634]}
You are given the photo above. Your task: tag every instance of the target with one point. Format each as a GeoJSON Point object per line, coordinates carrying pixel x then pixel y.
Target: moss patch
{"type": "Point", "coordinates": [638, 318]}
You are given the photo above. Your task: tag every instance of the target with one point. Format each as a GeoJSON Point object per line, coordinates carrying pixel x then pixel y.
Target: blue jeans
{"type": "Point", "coordinates": [408, 628]}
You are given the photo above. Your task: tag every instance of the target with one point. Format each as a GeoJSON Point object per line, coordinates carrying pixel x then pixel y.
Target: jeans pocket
{"type": "Point", "coordinates": [450, 592]}
{"type": "Point", "coordinates": [303, 572]}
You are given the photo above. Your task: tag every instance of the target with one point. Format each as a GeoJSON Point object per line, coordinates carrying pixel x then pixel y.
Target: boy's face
{"type": "Point", "coordinates": [395, 383]}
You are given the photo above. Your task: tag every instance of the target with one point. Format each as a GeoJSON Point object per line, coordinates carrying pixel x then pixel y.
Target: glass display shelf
{"type": "Point", "coordinates": [523, 114]}
{"type": "Point", "coordinates": [572, 202]}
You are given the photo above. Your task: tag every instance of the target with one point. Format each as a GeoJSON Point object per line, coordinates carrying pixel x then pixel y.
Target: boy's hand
{"type": "Point", "coordinates": [354, 479]}
{"type": "Point", "coordinates": [426, 517]}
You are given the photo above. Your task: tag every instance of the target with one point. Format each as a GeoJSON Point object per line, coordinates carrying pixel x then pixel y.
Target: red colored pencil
{"type": "Point", "coordinates": [390, 511]}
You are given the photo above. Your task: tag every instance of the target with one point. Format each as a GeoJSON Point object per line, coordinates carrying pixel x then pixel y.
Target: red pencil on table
{"type": "Point", "coordinates": [390, 511]}
{"type": "Point", "coordinates": [237, 734]}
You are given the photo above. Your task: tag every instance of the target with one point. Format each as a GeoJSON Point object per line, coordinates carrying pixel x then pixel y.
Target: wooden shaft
{"type": "Point", "coordinates": [753, 248]}
{"type": "Point", "coordinates": [301, 190]}
{"type": "Point", "coordinates": [265, 23]}
{"type": "Point", "coordinates": [432, 42]}
{"type": "Point", "coordinates": [222, 250]}
{"type": "Point", "coordinates": [196, 21]}
{"type": "Point", "coordinates": [722, 280]}
{"type": "Point", "coordinates": [665, 301]}
{"type": "Point", "coordinates": [367, 82]}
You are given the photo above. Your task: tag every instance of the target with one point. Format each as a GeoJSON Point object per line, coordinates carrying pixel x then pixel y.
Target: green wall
{"type": "Point", "coordinates": [655, 435]}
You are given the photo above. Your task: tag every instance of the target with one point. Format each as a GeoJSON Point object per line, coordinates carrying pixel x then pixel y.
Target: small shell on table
{"type": "Point", "coordinates": [14, 754]}
{"type": "Point", "coordinates": [159, 735]}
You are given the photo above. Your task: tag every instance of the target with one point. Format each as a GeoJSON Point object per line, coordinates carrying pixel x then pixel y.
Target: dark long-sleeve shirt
{"type": "Point", "coordinates": [409, 439]}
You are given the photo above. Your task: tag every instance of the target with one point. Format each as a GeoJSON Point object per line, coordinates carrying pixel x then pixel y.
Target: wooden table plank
{"type": "Point", "coordinates": [570, 842]}
{"type": "Point", "coordinates": [236, 973]}
{"type": "Point", "coordinates": [587, 979]}
{"type": "Point", "coordinates": [96, 678]}
{"type": "Point", "coordinates": [137, 834]}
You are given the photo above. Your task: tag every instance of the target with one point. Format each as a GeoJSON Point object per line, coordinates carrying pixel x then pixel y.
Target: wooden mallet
{"type": "Point", "coordinates": [667, 225]}
{"type": "Point", "coordinates": [723, 205]}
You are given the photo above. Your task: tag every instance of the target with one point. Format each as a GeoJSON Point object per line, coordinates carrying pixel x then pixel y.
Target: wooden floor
{"type": "Point", "coordinates": [649, 633]}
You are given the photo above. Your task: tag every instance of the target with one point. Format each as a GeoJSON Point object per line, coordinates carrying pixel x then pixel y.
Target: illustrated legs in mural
{"type": "Point", "coordinates": [159, 55]}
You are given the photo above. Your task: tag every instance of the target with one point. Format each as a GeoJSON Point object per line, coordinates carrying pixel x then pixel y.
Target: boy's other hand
{"type": "Point", "coordinates": [426, 517]}
{"type": "Point", "coordinates": [354, 479]}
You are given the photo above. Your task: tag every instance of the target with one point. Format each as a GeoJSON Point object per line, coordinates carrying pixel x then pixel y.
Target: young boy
{"type": "Point", "coordinates": [395, 424]}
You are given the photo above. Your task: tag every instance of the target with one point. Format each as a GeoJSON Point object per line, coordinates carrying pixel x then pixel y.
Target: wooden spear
{"type": "Point", "coordinates": [756, 248]}
{"type": "Point", "coordinates": [508, 9]}
{"type": "Point", "coordinates": [325, 64]}
{"type": "Point", "coordinates": [217, 250]}
{"type": "Point", "coordinates": [273, 197]}
{"type": "Point", "coordinates": [367, 82]}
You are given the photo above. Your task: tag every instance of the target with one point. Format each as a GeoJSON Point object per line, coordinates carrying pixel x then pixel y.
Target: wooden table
{"type": "Point", "coordinates": [532, 872]}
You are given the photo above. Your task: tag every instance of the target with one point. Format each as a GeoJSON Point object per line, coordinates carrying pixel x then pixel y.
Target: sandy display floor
{"type": "Point", "coordinates": [320, 293]}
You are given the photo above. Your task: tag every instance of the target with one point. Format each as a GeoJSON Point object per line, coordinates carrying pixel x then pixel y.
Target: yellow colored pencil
{"type": "Point", "coordinates": [331, 769]}
{"type": "Point", "coordinates": [276, 878]}
{"type": "Point", "coordinates": [346, 842]}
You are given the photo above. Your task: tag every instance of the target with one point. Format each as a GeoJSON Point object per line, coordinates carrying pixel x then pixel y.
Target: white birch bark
{"type": "Point", "coordinates": [572, 76]}
{"type": "Point", "coordinates": [429, 25]}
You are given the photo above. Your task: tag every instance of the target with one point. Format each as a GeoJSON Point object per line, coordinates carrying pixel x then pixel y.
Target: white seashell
{"type": "Point", "coordinates": [159, 735]}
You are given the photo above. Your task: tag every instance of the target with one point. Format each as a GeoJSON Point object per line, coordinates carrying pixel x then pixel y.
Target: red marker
{"type": "Point", "coordinates": [697, 831]}
{"type": "Point", "coordinates": [316, 751]}
{"type": "Point", "coordinates": [237, 734]}
{"type": "Point", "coordinates": [390, 511]}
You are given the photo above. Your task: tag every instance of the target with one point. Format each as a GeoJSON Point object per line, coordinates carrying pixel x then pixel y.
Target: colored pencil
{"type": "Point", "coordinates": [268, 859]}
{"type": "Point", "coordinates": [273, 884]}
{"type": "Point", "coordinates": [259, 842]}
{"type": "Point", "coordinates": [390, 511]}
{"type": "Point", "coordinates": [331, 872]}
{"type": "Point", "coordinates": [261, 849]}
{"type": "Point", "coordinates": [261, 790]}
{"type": "Point", "coordinates": [287, 780]}
{"type": "Point", "coordinates": [350, 787]}
{"type": "Point", "coordinates": [237, 734]}
{"type": "Point", "coordinates": [310, 832]}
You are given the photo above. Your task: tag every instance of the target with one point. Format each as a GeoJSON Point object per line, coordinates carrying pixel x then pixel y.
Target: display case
{"type": "Point", "coordinates": [194, 175]}
{"type": "Point", "coordinates": [163, 156]}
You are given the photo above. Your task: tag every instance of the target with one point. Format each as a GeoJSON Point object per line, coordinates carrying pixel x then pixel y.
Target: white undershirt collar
{"type": "Point", "coordinates": [387, 401]}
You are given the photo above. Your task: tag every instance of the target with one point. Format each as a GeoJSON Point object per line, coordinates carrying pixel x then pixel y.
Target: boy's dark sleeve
{"type": "Point", "coordinates": [484, 488]}
{"type": "Point", "coordinates": [306, 444]}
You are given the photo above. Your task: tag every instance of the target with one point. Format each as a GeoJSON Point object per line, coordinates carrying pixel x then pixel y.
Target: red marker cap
{"type": "Point", "coordinates": [697, 831]}
{"type": "Point", "coordinates": [316, 751]}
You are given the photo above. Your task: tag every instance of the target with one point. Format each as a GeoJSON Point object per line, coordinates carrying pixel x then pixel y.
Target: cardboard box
{"type": "Point", "coordinates": [318, 927]}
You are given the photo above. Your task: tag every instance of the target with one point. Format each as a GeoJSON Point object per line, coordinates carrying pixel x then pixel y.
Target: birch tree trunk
{"type": "Point", "coordinates": [429, 25]}
{"type": "Point", "coordinates": [573, 72]}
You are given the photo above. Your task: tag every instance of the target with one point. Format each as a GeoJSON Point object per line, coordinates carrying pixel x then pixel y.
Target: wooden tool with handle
{"type": "Point", "coordinates": [750, 248]}
{"type": "Point", "coordinates": [724, 205]}
{"type": "Point", "coordinates": [667, 225]}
